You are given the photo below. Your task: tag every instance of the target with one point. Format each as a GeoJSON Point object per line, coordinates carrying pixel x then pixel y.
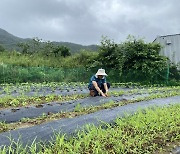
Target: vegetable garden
{"type": "Point", "coordinates": [62, 118]}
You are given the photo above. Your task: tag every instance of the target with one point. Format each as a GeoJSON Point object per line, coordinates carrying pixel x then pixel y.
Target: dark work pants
{"type": "Point", "coordinates": [101, 87]}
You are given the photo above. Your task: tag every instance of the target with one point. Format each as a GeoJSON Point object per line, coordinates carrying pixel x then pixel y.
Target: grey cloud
{"type": "Point", "coordinates": [85, 21]}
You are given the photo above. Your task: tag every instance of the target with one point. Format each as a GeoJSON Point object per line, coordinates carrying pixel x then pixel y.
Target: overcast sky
{"type": "Point", "coordinates": [86, 21]}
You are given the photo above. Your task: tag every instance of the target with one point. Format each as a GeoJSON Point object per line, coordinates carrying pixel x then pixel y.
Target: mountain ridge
{"type": "Point", "coordinates": [10, 41]}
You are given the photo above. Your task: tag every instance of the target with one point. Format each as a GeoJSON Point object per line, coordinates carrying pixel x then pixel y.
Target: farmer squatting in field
{"type": "Point", "coordinates": [98, 85]}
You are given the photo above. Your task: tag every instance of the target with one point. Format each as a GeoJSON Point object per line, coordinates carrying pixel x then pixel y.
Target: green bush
{"type": "Point", "coordinates": [133, 60]}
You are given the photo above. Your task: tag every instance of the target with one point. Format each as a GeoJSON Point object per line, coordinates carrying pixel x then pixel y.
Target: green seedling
{"type": "Point", "coordinates": [3, 127]}
{"type": "Point", "coordinates": [77, 107]}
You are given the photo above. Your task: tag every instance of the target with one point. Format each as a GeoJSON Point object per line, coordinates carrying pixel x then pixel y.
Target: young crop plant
{"type": "Point", "coordinates": [9, 100]}
{"type": "Point", "coordinates": [14, 102]}
{"type": "Point", "coordinates": [77, 108]}
{"type": "Point", "coordinates": [3, 127]}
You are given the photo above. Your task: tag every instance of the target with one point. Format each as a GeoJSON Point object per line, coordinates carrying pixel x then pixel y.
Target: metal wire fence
{"type": "Point", "coordinates": [17, 74]}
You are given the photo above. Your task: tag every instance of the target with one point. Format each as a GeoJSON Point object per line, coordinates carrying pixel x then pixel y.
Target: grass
{"type": "Point", "coordinates": [38, 59]}
{"type": "Point", "coordinates": [144, 132]}
{"type": "Point", "coordinates": [79, 110]}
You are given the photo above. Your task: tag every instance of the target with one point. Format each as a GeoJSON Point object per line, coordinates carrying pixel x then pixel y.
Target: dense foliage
{"type": "Point", "coordinates": [131, 61]}
{"type": "Point", "coordinates": [1, 48]}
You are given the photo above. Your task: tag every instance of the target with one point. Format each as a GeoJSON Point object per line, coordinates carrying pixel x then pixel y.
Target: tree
{"type": "Point", "coordinates": [110, 56]}
{"type": "Point", "coordinates": [48, 48]}
{"type": "Point", "coordinates": [2, 48]}
{"type": "Point", "coordinates": [24, 47]}
{"type": "Point", "coordinates": [65, 51]}
{"type": "Point", "coordinates": [62, 51]}
{"type": "Point", "coordinates": [56, 50]}
{"type": "Point", "coordinates": [133, 57]}
{"type": "Point", "coordinates": [36, 42]}
{"type": "Point", "coordinates": [143, 60]}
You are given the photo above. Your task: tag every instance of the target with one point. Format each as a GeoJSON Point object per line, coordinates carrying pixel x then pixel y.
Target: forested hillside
{"type": "Point", "coordinates": [10, 42]}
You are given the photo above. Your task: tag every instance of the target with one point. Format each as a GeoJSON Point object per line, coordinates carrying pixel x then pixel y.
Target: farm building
{"type": "Point", "coordinates": [171, 47]}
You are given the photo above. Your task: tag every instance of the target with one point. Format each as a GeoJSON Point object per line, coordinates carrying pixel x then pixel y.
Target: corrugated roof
{"type": "Point", "coordinates": [166, 36]}
{"type": "Point", "coordinates": [169, 35]}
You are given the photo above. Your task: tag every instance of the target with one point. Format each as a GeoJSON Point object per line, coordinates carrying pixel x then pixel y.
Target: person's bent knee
{"type": "Point", "coordinates": [108, 85]}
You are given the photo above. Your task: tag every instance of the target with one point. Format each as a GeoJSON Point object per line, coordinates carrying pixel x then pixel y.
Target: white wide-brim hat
{"type": "Point", "coordinates": [101, 72]}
